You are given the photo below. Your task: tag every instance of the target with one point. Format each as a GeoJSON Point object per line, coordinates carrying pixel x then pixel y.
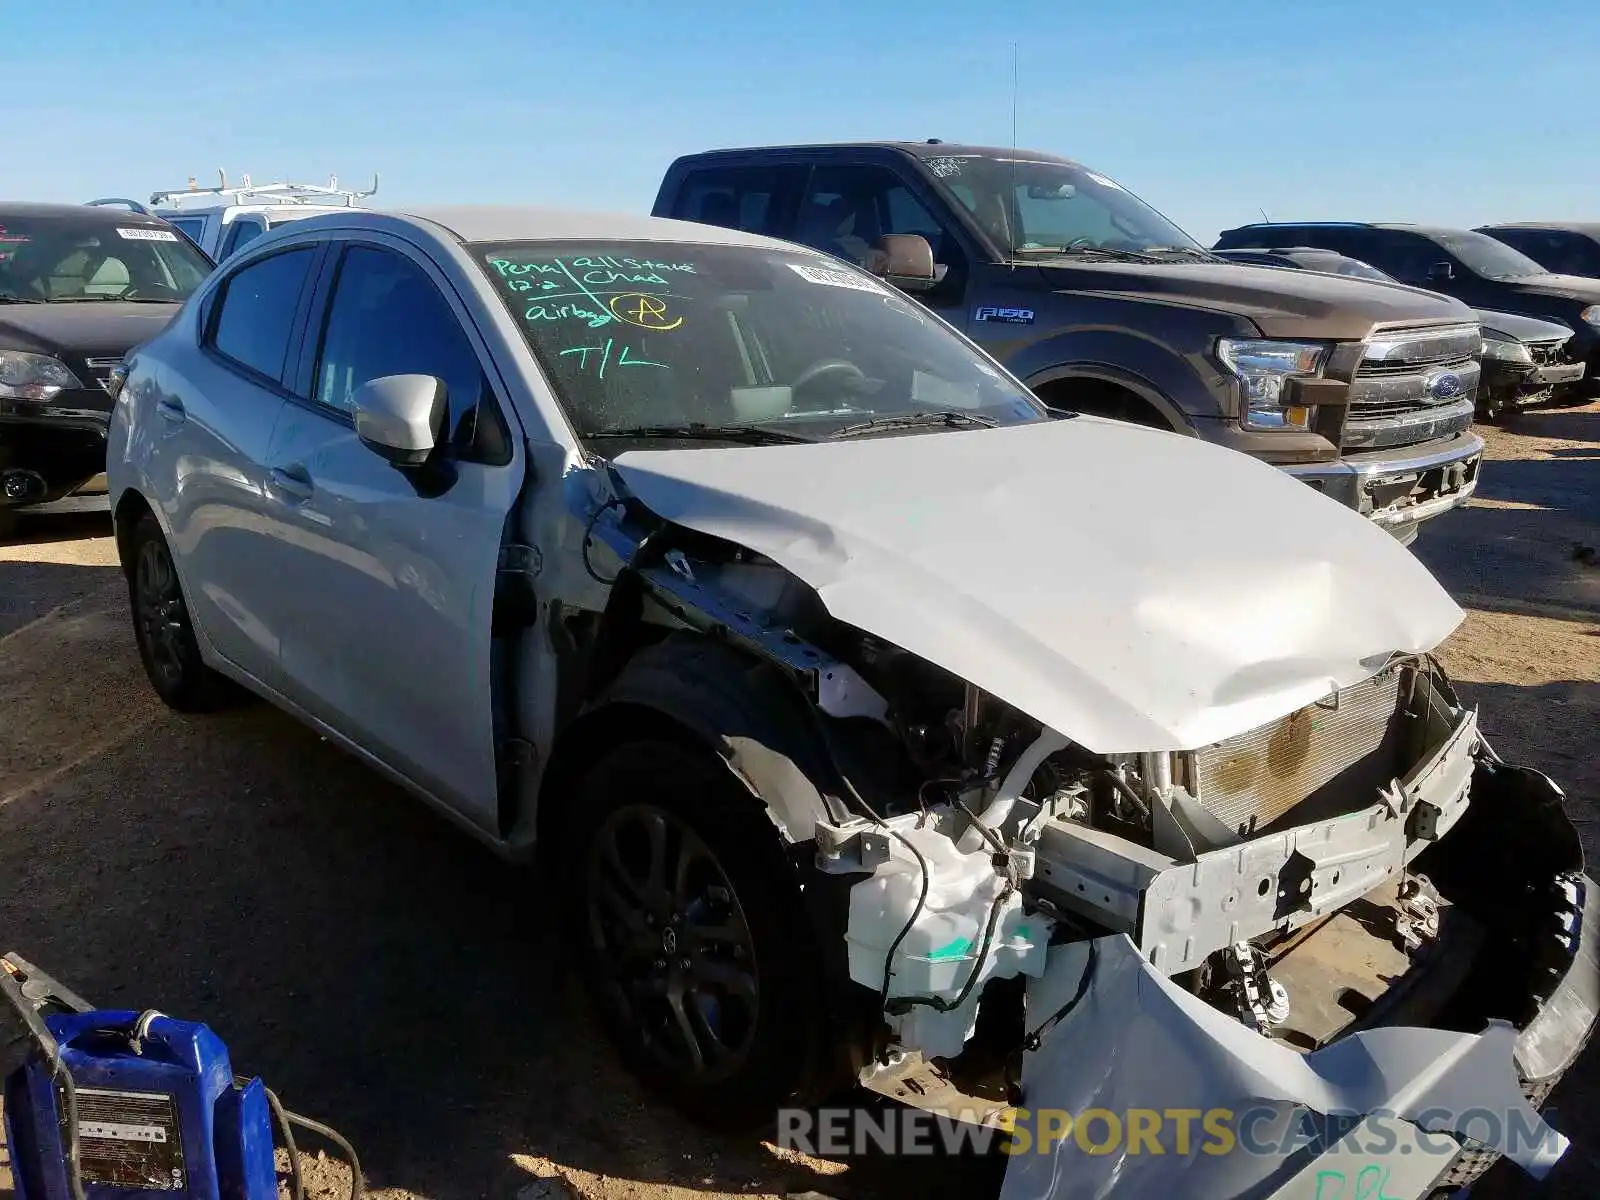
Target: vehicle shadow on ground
{"type": "Point", "coordinates": [379, 969]}
{"type": "Point", "coordinates": [58, 527]}
{"type": "Point", "coordinates": [1525, 539]}
{"type": "Point", "coordinates": [1568, 423]}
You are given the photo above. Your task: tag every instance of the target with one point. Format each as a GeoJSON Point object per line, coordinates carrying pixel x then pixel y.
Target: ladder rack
{"type": "Point", "coordinates": [265, 193]}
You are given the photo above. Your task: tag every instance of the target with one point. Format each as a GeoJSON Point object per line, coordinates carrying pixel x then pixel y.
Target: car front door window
{"type": "Point", "coordinates": [387, 317]}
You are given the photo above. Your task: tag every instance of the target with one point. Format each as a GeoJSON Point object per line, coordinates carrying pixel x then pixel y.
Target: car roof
{"type": "Point", "coordinates": [932, 148]}
{"type": "Point", "coordinates": [1425, 230]}
{"type": "Point", "coordinates": [510, 223]}
{"type": "Point", "coordinates": [88, 214]}
{"type": "Point", "coordinates": [1590, 228]}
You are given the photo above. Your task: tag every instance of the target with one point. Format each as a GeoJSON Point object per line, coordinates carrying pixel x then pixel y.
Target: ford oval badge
{"type": "Point", "coordinates": [1442, 386]}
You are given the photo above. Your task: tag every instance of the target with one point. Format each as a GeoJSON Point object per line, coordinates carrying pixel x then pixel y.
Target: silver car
{"type": "Point", "coordinates": [879, 723]}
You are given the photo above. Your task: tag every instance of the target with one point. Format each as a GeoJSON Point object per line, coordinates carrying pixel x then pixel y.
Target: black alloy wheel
{"type": "Point", "coordinates": [163, 629]}
{"type": "Point", "coordinates": [689, 929]}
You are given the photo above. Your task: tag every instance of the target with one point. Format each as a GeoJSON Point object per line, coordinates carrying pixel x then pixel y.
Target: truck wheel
{"type": "Point", "coordinates": [691, 938]}
{"type": "Point", "coordinates": [163, 630]}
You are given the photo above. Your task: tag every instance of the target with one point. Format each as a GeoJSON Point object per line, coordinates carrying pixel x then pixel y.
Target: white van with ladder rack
{"type": "Point", "coordinates": [222, 219]}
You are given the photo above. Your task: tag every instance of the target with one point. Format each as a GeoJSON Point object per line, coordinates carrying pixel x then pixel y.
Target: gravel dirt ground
{"type": "Point", "coordinates": [388, 976]}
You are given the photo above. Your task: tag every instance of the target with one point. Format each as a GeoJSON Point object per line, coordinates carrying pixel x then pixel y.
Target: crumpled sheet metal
{"type": "Point", "coordinates": [1022, 560]}
{"type": "Point", "coordinates": [1137, 1041]}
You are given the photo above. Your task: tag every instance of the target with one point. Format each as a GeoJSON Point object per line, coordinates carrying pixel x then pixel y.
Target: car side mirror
{"type": "Point", "coordinates": [1441, 272]}
{"type": "Point", "coordinates": [401, 418]}
{"type": "Point", "coordinates": [906, 261]}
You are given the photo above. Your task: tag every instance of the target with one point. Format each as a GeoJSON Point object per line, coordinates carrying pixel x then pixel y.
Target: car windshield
{"type": "Point", "coordinates": [64, 259]}
{"type": "Point", "coordinates": [1361, 270]}
{"type": "Point", "coordinates": [1488, 257]}
{"type": "Point", "coordinates": [714, 340]}
{"type": "Point", "coordinates": [1030, 207]}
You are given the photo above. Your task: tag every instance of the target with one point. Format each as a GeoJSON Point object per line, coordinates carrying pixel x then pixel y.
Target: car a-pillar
{"type": "Point", "coordinates": [697, 756]}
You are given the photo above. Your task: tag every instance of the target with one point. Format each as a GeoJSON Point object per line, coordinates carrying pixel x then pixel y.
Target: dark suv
{"type": "Point", "coordinates": [79, 288]}
{"type": "Point", "coordinates": [1102, 305]}
{"type": "Point", "coordinates": [1473, 267]}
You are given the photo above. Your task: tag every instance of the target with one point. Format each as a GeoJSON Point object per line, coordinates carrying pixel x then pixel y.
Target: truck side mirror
{"type": "Point", "coordinates": [1441, 272]}
{"type": "Point", "coordinates": [906, 260]}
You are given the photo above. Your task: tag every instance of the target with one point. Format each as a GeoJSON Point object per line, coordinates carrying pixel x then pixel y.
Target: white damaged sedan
{"type": "Point", "coordinates": [882, 724]}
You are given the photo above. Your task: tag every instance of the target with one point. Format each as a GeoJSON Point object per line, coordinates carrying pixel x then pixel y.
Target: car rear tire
{"type": "Point", "coordinates": [690, 935]}
{"type": "Point", "coordinates": [164, 631]}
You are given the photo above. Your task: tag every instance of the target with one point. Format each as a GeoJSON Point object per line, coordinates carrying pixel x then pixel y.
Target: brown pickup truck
{"type": "Point", "coordinates": [1101, 305]}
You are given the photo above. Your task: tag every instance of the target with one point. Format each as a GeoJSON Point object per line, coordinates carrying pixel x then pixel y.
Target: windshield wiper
{"type": "Point", "coordinates": [1198, 253]}
{"type": "Point", "coordinates": [697, 432]}
{"type": "Point", "coordinates": [952, 418]}
{"type": "Point", "coordinates": [1089, 252]}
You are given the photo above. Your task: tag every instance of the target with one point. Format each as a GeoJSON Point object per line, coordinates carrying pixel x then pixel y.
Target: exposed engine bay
{"type": "Point", "coordinates": [1293, 878]}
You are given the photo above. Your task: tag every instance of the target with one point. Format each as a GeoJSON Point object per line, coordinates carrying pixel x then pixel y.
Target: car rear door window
{"type": "Point", "coordinates": [387, 317]}
{"type": "Point", "coordinates": [255, 316]}
{"type": "Point", "coordinates": [732, 197]}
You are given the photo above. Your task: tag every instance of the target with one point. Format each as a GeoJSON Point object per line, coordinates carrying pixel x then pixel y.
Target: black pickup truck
{"type": "Point", "coordinates": [1102, 305]}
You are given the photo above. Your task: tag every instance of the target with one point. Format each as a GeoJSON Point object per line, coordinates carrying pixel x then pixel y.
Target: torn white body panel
{"type": "Point", "coordinates": [1163, 610]}
{"type": "Point", "coordinates": [1158, 1048]}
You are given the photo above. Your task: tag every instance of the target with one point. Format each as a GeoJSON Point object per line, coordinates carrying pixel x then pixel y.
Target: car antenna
{"type": "Point", "coordinates": [1013, 207]}
{"type": "Point", "coordinates": [1264, 216]}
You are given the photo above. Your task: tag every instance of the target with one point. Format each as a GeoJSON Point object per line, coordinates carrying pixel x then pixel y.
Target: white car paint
{"type": "Point", "coordinates": [1133, 589]}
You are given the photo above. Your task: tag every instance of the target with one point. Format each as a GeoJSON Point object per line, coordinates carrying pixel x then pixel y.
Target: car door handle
{"type": "Point", "coordinates": [171, 408]}
{"type": "Point", "coordinates": [293, 481]}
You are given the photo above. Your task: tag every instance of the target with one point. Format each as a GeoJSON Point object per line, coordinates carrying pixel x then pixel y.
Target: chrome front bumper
{"type": "Point", "coordinates": [1400, 490]}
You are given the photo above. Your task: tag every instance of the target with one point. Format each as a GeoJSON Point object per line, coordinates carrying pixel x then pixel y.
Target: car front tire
{"type": "Point", "coordinates": [164, 631]}
{"type": "Point", "coordinates": [691, 937]}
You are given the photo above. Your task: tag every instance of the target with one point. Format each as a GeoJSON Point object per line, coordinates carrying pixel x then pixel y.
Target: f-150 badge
{"type": "Point", "coordinates": [1008, 316]}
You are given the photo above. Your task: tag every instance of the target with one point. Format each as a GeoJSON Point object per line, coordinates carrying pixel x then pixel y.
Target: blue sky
{"type": "Point", "coordinates": [1454, 113]}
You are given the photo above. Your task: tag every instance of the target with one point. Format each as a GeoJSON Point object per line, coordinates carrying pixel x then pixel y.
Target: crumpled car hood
{"type": "Point", "coordinates": [1133, 589]}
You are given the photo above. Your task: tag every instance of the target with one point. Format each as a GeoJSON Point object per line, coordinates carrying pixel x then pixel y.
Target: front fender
{"type": "Point", "coordinates": [745, 713]}
{"type": "Point", "coordinates": [1185, 389]}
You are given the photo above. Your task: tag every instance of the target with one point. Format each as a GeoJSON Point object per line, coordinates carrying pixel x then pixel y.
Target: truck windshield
{"type": "Point", "coordinates": [1487, 256]}
{"type": "Point", "coordinates": [642, 336]}
{"type": "Point", "coordinates": [68, 259]}
{"type": "Point", "coordinates": [1031, 206]}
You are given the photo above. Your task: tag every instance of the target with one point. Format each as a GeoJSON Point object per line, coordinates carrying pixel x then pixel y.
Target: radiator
{"type": "Point", "coordinates": [1251, 780]}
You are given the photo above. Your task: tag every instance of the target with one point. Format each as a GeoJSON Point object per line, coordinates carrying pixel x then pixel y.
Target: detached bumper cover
{"type": "Point", "coordinates": [1136, 1087]}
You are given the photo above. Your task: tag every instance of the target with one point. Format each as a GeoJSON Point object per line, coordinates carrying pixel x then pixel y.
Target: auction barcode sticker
{"type": "Point", "coordinates": [147, 235]}
{"type": "Point", "coordinates": [844, 279]}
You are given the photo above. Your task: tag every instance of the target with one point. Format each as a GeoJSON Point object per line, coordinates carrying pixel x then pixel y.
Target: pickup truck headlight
{"type": "Point", "coordinates": [25, 376]}
{"type": "Point", "coordinates": [1591, 315]}
{"type": "Point", "coordinates": [1511, 352]}
{"type": "Point", "coordinates": [1262, 368]}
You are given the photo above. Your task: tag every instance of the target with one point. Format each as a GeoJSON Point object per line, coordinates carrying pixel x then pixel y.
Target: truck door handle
{"type": "Point", "coordinates": [293, 481]}
{"type": "Point", "coordinates": [171, 408]}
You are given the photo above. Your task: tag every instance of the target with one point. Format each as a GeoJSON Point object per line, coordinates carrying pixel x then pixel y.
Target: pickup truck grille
{"type": "Point", "coordinates": [1251, 780]}
{"type": "Point", "coordinates": [1389, 370]}
{"type": "Point", "coordinates": [1413, 385]}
